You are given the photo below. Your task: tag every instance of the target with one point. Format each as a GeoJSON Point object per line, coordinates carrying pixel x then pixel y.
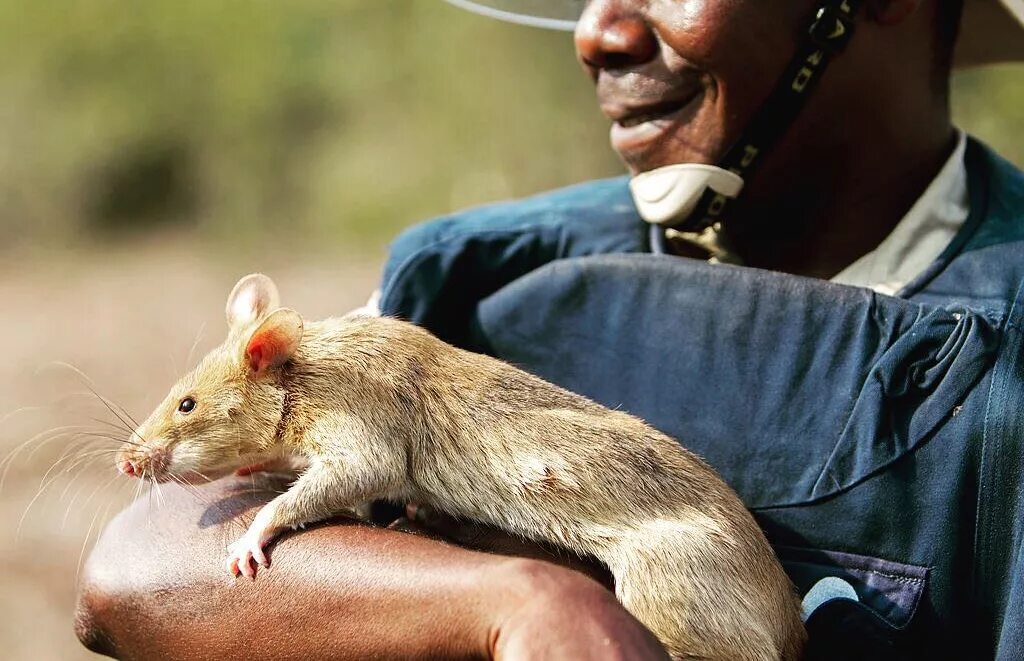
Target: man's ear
{"type": "Point", "coordinates": [254, 296]}
{"type": "Point", "coordinates": [274, 341]}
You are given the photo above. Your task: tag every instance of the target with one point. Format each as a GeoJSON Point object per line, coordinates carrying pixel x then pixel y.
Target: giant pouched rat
{"type": "Point", "coordinates": [379, 408]}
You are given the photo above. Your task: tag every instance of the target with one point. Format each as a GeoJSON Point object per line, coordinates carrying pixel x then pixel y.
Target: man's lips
{"type": "Point", "coordinates": [638, 125]}
{"type": "Point", "coordinates": [632, 114]}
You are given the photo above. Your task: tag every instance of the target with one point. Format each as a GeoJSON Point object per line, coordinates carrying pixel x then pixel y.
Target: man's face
{"type": "Point", "coordinates": [682, 78]}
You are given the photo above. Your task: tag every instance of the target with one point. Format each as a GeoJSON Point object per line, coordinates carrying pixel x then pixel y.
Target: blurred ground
{"type": "Point", "coordinates": [126, 318]}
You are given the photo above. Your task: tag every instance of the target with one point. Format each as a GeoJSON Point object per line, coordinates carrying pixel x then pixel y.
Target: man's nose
{"type": "Point", "coordinates": [613, 35]}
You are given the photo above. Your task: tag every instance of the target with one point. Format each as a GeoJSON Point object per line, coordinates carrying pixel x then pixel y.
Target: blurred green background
{"type": "Point", "coordinates": [341, 120]}
{"type": "Point", "coordinates": [328, 123]}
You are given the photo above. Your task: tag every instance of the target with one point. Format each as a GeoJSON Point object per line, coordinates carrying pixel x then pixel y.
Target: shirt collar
{"type": "Point", "coordinates": [921, 236]}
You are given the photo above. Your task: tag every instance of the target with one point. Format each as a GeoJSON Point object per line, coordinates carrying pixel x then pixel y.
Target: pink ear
{"type": "Point", "coordinates": [275, 341]}
{"type": "Point", "coordinates": [254, 296]}
{"type": "Point", "coordinates": [265, 350]}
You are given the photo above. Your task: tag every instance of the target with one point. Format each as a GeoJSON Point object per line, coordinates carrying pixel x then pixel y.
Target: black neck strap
{"type": "Point", "coordinates": [827, 36]}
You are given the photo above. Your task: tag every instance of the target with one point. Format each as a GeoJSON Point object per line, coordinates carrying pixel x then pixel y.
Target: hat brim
{"type": "Point", "coordinates": [992, 30]}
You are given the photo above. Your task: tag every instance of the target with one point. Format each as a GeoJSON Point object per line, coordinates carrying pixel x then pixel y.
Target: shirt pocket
{"type": "Point", "coordinates": [870, 626]}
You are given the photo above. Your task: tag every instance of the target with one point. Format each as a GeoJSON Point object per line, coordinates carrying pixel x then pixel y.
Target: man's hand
{"type": "Point", "coordinates": [154, 588]}
{"type": "Point", "coordinates": [556, 618]}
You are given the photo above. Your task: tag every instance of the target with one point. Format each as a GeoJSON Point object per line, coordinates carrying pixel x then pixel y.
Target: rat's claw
{"type": "Point", "coordinates": [233, 562]}
{"type": "Point", "coordinates": [246, 564]}
{"type": "Point", "coordinates": [259, 556]}
{"type": "Point", "coordinates": [243, 556]}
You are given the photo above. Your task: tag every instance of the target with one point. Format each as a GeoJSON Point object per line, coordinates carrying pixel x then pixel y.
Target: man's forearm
{"type": "Point", "coordinates": [155, 587]}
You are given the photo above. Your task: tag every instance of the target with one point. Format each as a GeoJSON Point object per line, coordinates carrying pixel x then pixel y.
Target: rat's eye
{"type": "Point", "coordinates": [187, 405]}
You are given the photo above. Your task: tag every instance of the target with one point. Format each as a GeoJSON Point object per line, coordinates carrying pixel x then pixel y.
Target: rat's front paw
{"type": "Point", "coordinates": [244, 554]}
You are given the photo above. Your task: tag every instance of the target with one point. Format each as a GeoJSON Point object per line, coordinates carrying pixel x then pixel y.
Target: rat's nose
{"type": "Point", "coordinates": [127, 467]}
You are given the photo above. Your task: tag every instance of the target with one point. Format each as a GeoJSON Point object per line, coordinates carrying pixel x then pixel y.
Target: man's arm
{"type": "Point", "coordinates": [155, 587]}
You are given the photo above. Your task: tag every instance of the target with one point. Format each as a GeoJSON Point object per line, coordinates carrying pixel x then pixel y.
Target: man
{"type": "Point", "coordinates": [875, 437]}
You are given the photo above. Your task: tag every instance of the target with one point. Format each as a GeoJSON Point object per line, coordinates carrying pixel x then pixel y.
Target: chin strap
{"type": "Point", "coordinates": [665, 195]}
{"type": "Point", "coordinates": [690, 199]}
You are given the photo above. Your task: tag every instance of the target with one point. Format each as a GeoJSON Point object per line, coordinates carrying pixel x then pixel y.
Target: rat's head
{"type": "Point", "coordinates": [227, 411]}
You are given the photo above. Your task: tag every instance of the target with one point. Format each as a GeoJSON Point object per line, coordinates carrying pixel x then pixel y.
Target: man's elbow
{"type": "Point", "coordinates": [91, 615]}
{"type": "Point", "coordinates": [106, 601]}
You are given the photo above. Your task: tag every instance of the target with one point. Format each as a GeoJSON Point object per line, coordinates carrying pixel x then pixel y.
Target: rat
{"type": "Point", "coordinates": [376, 408]}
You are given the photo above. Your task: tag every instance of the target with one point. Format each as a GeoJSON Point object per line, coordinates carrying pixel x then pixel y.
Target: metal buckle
{"type": "Point", "coordinates": [832, 29]}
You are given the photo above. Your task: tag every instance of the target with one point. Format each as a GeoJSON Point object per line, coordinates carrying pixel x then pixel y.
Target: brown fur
{"type": "Point", "coordinates": [381, 409]}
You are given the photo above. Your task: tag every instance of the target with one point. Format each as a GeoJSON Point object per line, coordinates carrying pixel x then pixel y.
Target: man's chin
{"type": "Point", "coordinates": [672, 150]}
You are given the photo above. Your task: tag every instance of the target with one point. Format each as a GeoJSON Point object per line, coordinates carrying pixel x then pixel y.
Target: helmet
{"type": "Point", "coordinates": [992, 30]}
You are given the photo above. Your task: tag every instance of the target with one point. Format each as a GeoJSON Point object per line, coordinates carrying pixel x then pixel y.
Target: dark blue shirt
{"type": "Point", "coordinates": [875, 438]}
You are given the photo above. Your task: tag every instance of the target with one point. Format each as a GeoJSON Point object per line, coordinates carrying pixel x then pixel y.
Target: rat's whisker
{"type": "Point", "coordinates": [96, 453]}
{"type": "Point", "coordinates": [169, 364]}
{"type": "Point", "coordinates": [19, 411]}
{"type": "Point", "coordinates": [85, 436]}
{"type": "Point", "coordinates": [63, 495]}
{"type": "Point", "coordinates": [44, 483]}
{"type": "Point", "coordinates": [43, 437]}
{"type": "Point", "coordinates": [149, 500]}
{"type": "Point", "coordinates": [71, 503]}
{"type": "Point", "coordinates": [73, 457]}
{"type": "Point", "coordinates": [110, 407]}
{"type": "Point", "coordinates": [82, 464]}
{"type": "Point", "coordinates": [192, 350]}
{"type": "Point", "coordinates": [159, 494]}
{"type": "Point", "coordinates": [113, 425]}
{"type": "Point", "coordinates": [82, 447]}
{"type": "Point", "coordinates": [91, 385]}
{"type": "Point", "coordinates": [192, 490]}
{"type": "Point", "coordinates": [110, 425]}
{"type": "Point", "coordinates": [137, 491]}
{"type": "Point", "coordinates": [84, 453]}
{"type": "Point", "coordinates": [92, 396]}
{"type": "Point", "coordinates": [85, 544]}
{"type": "Point", "coordinates": [8, 461]}
{"type": "Point", "coordinates": [115, 409]}
{"type": "Point", "coordinates": [88, 535]}
{"type": "Point", "coordinates": [116, 439]}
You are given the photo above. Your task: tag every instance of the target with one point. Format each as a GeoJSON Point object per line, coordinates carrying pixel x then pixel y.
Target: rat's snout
{"type": "Point", "coordinates": [143, 462]}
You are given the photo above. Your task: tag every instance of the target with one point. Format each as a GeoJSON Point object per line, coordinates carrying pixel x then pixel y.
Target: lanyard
{"type": "Point", "coordinates": [827, 36]}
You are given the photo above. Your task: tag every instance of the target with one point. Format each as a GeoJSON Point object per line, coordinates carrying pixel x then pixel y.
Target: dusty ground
{"type": "Point", "coordinates": [128, 320]}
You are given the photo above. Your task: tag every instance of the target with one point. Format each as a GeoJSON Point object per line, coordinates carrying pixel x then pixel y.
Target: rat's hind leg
{"type": "Point", "coordinates": [695, 596]}
{"type": "Point", "coordinates": [325, 489]}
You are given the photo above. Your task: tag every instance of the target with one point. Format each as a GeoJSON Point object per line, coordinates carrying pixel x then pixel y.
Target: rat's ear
{"type": "Point", "coordinates": [254, 296]}
{"type": "Point", "coordinates": [274, 341]}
